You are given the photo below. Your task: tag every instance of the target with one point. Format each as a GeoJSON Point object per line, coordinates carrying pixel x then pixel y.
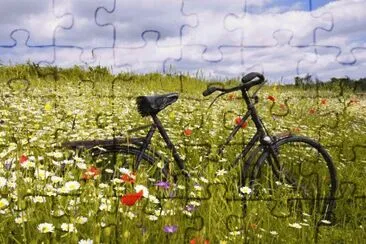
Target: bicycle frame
{"type": "Point", "coordinates": [259, 136]}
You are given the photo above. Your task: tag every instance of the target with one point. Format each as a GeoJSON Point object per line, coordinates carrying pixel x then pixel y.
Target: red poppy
{"type": "Point", "coordinates": [128, 178]}
{"type": "Point", "coordinates": [231, 96]}
{"type": "Point", "coordinates": [23, 159]}
{"type": "Point", "coordinates": [90, 173]}
{"type": "Point", "coordinates": [272, 98]}
{"type": "Point", "coordinates": [199, 240]}
{"type": "Point", "coordinates": [253, 226]}
{"type": "Point", "coordinates": [131, 198]}
{"type": "Point", "coordinates": [323, 101]}
{"type": "Point", "coordinates": [297, 129]}
{"type": "Point", "coordinates": [187, 132]}
{"type": "Point", "coordinates": [312, 111]}
{"type": "Point", "coordinates": [238, 121]}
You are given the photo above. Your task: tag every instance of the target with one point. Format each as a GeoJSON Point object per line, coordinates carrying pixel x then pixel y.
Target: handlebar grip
{"type": "Point", "coordinates": [252, 76]}
{"type": "Point", "coordinates": [209, 91]}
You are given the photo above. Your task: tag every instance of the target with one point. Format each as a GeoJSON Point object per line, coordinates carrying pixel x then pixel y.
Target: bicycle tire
{"type": "Point", "coordinates": [305, 168]}
{"type": "Point", "coordinates": [117, 156]}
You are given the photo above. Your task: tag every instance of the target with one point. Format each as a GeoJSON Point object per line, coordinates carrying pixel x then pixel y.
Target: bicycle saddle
{"type": "Point", "coordinates": [151, 105]}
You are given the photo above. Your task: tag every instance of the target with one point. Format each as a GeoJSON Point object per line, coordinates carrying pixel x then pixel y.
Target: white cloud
{"type": "Point", "coordinates": [219, 39]}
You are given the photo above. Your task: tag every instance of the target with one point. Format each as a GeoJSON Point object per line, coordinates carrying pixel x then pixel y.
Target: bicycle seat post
{"type": "Point", "coordinates": [169, 143]}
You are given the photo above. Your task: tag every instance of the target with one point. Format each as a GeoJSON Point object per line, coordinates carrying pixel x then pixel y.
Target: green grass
{"type": "Point", "coordinates": [74, 104]}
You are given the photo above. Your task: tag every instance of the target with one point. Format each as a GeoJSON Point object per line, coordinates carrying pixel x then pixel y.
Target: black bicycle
{"type": "Point", "coordinates": [271, 164]}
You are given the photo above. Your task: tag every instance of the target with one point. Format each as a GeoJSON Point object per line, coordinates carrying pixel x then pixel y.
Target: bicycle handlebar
{"type": "Point", "coordinates": [248, 81]}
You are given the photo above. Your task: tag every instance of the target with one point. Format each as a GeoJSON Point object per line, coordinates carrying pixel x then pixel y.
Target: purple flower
{"type": "Point", "coordinates": [170, 228]}
{"type": "Point", "coordinates": [163, 184]}
{"type": "Point", "coordinates": [190, 208]}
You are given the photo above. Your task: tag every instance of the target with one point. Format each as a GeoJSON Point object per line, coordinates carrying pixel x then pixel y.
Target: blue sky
{"type": "Point", "coordinates": [215, 38]}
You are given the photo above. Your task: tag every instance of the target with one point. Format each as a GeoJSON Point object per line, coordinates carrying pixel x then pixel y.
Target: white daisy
{"type": "Point", "coordinates": [46, 228]}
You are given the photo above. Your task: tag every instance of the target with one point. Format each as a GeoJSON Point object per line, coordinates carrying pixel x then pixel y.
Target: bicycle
{"type": "Point", "coordinates": [275, 162]}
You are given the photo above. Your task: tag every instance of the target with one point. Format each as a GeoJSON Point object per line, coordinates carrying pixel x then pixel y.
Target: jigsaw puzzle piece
{"type": "Point", "coordinates": [257, 15]}
{"type": "Point", "coordinates": [323, 64]}
{"type": "Point", "coordinates": [41, 17]}
{"type": "Point", "coordinates": [146, 57]}
{"type": "Point", "coordinates": [277, 64]}
{"type": "Point", "coordinates": [210, 30]}
{"type": "Point", "coordinates": [192, 62]}
{"type": "Point", "coordinates": [21, 51]}
{"type": "Point", "coordinates": [346, 15]}
{"type": "Point", "coordinates": [82, 34]}
{"type": "Point", "coordinates": [20, 40]}
{"type": "Point", "coordinates": [123, 19]}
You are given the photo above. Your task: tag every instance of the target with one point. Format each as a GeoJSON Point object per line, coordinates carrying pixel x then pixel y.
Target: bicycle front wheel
{"type": "Point", "coordinates": [300, 170]}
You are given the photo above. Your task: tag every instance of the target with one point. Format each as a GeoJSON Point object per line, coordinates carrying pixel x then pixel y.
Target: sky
{"type": "Point", "coordinates": [212, 39]}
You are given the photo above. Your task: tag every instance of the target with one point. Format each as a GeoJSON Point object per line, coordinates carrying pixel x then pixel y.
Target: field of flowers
{"type": "Point", "coordinates": [53, 195]}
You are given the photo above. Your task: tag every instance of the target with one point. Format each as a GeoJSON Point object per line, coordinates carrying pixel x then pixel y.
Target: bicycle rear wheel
{"type": "Point", "coordinates": [111, 159]}
{"type": "Point", "coordinates": [300, 170]}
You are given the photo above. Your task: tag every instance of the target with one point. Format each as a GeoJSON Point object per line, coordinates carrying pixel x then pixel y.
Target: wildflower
{"type": "Point", "coordinates": [323, 101]}
{"type": "Point", "coordinates": [20, 220]}
{"type": "Point", "coordinates": [68, 227]}
{"type": "Point", "coordinates": [234, 233]}
{"type": "Point", "coordinates": [245, 190]}
{"type": "Point", "coordinates": [295, 225]}
{"type": "Point", "coordinates": [199, 240]}
{"type": "Point", "coordinates": [324, 221]}
{"type": "Point", "coordinates": [312, 111]}
{"type": "Point", "coordinates": [56, 179]}
{"type": "Point", "coordinates": [103, 185]}
{"type": "Point", "coordinates": [3, 182]}
{"type": "Point", "coordinates": [23, 159]}
{"type": "Point", "coordinates": [46, 228]}
{"type": "Point", "coordinates": [109, 171]}
{"type": "Point", "coordinates": [271, 98]}
{"type": "Point", "coordinates": [152, 217]}
{"type": "Point", "coordinates": [187, 132]}
{"type": "Point", "coordinates": [238, 121]}
{"type": "Point", "coordinates": [88, 241]}
{"type": "Point", "coordinates": [273, 232]}
{"type": "Point", "coordinates": [203, 179]}
{"type": "Point", "coordinates": [197, 187]}
{"type": "Point", "coordinates": [124, 171]}
{"type": "Point", "coordinates": [3, 203]}
{"type": "Point", "coordinates": [163, 184]}
{"type": "Point", "coordinates": [48, 107]}
{"type": "Point", "coordinates": [170, 228]}
{"type": "Point", "coordinates": [71, 186]}
{"type": "Point", "coordinates": [231, 96]}
{"type": "Point", "coordinates": [38, 199]}
{"type": "Point", "coordinates": [129, 177]}
{"type": "Point", "coordinates": [81, 220]}
{"type": "Point", "coordinates": [253, 226]}
{"type": "Point", "coordinates": [81, 165]}
{"type": "Point", "coordinates": [153, 199]}
{"type": "Point", "coordinates": [131, 198]}
{"type": "Point", "coordinates": [57, 213]}
{"type": "Point", "coordinates": [91, 173]}
{"type": "Point", "coordinates": [221, 172]}
{"type": "Point", "coordinates": [42, 174]}
{"type": "Point", "coordinates": [144, 190]}
{"type": "Point", "coordinates": [131, 215]}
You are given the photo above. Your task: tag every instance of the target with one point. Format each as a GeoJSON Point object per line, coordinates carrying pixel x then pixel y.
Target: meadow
{"type": "Point", "coordinates": [53, 195]}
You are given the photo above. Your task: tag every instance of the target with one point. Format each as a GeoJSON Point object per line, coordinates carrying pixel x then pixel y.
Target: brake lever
{"type": "Point", "coordinates": [217, 97]}
{"type": "Point", "coordinates": [254, 96]}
